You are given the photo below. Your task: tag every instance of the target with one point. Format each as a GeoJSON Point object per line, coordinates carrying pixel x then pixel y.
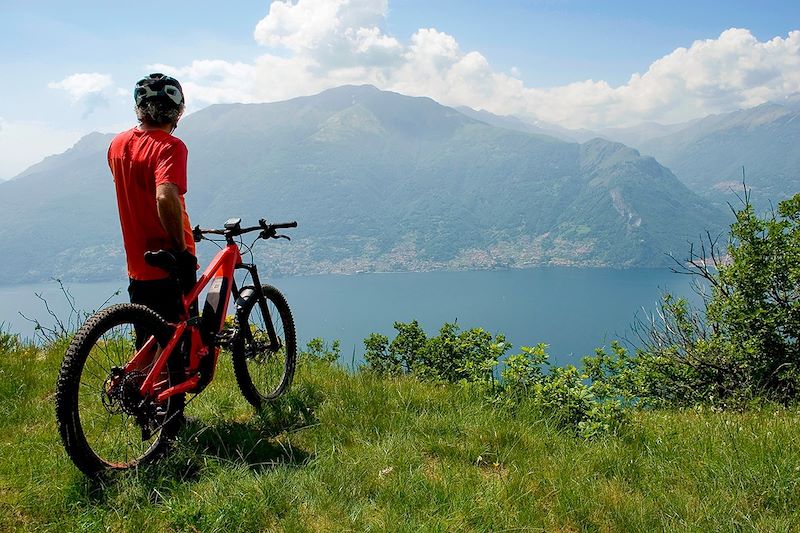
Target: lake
{"type": "Point", "coordinates": [574, 310]}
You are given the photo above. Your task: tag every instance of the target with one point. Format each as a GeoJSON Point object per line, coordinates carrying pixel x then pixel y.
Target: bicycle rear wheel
{"type": "Point", "coordinates": [264, 370]}
{"type": "Point", "coordinates": [102, 418]}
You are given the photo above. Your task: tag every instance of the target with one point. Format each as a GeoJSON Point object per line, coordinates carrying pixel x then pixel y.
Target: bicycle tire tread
{"type": "Point", "coordinates": [66, 397]}
{"type": "Point", "coordinates": [242, 374]}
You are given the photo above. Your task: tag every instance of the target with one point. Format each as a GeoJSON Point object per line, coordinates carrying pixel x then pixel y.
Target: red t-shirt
{"type": "Point", "coordinates": [140, 161]}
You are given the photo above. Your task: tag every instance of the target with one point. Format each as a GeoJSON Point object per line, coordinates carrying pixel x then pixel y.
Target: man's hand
{"type": "Point", "coordinates": [186, 261]}
{"type": "Point", "coordinates": [187, 269]}
{"type": "Point", "coordinates": [170, 213]}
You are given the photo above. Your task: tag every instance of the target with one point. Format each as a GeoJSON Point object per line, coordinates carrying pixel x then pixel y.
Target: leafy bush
{"type": "Point", "coordinates": [473, 357]}
{"type": "Point", "coordinates": [319, 350]}
{"type": "Point", "coordinates": [745, 343]}
{"type": "Point", "coordinates": [452, 355]}
{"type": "Point", "coordinates": [562, 393]}
{"type": "Point", "coordinates": [523, 372]}
{"type": "Point", "coordinates": [400, 356]}
{"type": "Point", "coordinates": [377, 356]}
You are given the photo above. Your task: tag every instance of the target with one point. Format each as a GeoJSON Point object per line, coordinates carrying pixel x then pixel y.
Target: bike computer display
{"type": "Point", "coordinates": [233, 223]}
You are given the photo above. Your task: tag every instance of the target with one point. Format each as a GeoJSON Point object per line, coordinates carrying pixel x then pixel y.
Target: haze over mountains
{"type": "Point", "coordinates": [378, 181]}
{"type": "Point", "coordinates": [708, 154]}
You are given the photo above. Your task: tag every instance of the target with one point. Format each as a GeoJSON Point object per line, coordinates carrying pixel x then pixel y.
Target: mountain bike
{"type": "Point", "coordinates": [122, 386]}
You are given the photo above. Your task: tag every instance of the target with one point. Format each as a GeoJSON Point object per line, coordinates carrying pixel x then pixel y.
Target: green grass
{"type": "Point", "coordinates": [354, 452]}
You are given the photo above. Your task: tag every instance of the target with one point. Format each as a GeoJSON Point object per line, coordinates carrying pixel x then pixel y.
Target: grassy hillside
{"type": "Point", "coordinates": [349, 451]}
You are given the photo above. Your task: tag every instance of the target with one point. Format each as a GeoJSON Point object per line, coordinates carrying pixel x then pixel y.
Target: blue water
{"type": "Point", "coordinates": [574, 310]}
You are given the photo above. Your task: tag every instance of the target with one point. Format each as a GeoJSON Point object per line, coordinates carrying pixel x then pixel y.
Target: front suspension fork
{"type": "Point", "coordinates": [244, 298]}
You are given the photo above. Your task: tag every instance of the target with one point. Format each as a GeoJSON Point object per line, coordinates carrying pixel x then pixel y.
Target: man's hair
{"type": "Point", "coordinates": [158, 113]}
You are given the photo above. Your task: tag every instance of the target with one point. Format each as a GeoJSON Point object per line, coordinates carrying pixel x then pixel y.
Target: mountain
{"type": "Point", "coordinates": [58, 218]}
{"type": "Point", "coordinates": [378, 181]}
{"type": "Point", "coordinates": [517, 124]}
{"type": "Point", "coordinates": [641, 133]}
{"type": "Point", "coordinates": [708, 154]}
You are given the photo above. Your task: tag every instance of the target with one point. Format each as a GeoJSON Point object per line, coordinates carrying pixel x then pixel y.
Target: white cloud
{"type": "Point", "coordinates": [313, 25]}
{"type": "Point", "coordinates": [83, 84]}
{"type": "Point", "coordinates": [91, 90]}
{"type": "Point", "coordinates": [317, 44]}
{"type": "Point", "coordinates": [213, 81]}
{"type": "Point", "coordinates": [301, 26]}
{"type": "Point", "coordinates": [714, 75]}
{"type": "Point", "coordinates": [25, 142]}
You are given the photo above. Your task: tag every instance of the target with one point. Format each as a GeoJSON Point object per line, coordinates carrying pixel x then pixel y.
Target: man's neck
{"type": "Point", "coordinates": [167, 128]}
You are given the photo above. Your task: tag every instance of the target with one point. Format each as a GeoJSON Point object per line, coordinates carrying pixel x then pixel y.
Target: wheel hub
{"type": "Point", "coordinates": [121, 392]}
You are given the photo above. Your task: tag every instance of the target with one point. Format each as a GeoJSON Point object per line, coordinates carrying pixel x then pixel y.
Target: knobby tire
{"type": "Point", "coordinates": [87, 345]}
{"type": "Point", "coordinates": [256, 369]}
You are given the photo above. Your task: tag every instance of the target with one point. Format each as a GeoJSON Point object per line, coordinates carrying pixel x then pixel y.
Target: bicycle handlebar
{"type": "Point", "coordinates": [235, 229]}
{"type": "Point", "coordinates": [284, 225]}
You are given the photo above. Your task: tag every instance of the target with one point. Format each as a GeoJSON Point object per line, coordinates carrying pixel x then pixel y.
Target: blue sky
{"type": "Point", "coordinates": [557, 42]}
{"type": "Point", "coordinates": [71, 64]}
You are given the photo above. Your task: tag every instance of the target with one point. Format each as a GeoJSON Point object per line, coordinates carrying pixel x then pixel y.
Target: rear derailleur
{"type": "Point", "coordinates": [121, 395]}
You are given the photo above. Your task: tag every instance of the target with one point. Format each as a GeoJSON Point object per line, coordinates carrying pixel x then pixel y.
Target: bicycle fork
{"type": "Point", "coordinates": [244, 296]}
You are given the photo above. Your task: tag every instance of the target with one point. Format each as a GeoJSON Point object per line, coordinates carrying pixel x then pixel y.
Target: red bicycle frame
{"type": "Point", "coordinates": [202, 330]}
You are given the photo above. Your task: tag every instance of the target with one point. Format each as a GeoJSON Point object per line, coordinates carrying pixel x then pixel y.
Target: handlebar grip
{"type": "Point", "coordinates": [284, 225]}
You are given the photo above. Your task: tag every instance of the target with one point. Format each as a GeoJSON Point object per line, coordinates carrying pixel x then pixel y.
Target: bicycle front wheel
{"type": "Point", "coordinates": [264, 369]}
{"type": "Point", "coordinates": [104, 422]}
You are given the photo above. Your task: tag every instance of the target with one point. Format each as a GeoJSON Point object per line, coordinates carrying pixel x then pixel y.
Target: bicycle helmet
{"type": "Point", "coordinates": [158, 88]}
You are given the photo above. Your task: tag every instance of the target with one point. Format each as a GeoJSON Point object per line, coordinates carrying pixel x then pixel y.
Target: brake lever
{"type": "Point", "coordinates": [282, 237]}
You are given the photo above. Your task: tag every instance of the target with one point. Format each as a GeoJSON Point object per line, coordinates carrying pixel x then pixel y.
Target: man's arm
{"type": "Point", "coordinates": [170, 212]}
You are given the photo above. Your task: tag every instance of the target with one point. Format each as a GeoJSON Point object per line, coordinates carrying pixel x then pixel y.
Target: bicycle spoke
{"type": "Point", "coordinates": [114, 435]}
{"type": "Point", "coordinates": [261, 363]}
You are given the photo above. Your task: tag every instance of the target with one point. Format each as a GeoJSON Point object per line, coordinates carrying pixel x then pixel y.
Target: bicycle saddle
{"type": "Point", "coordinates": [163, 259]}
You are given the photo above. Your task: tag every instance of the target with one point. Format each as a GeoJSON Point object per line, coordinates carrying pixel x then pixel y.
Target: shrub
{"type": "Point", "coordinates": [377, 356]}
{"type": "Point", "coordinates": [472, 357]}
{"type": "Point", "coordinates": [562, 393]}
{"type": "Point", "coordinates": [523, 371]}
{"type": "Point", "coordinates": [319, 350]}
{"type": "Point", "coordinates": [745, 343]}
{"type": "Point", "coordinates": [452, 355]}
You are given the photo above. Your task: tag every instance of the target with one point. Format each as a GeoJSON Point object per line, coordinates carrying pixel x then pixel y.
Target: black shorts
{"type": "Point", "coordinates": [161, 295]}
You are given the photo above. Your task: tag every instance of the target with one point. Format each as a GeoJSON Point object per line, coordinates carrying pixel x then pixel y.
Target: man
{"type": "Point", "coordinates": [149, 168]}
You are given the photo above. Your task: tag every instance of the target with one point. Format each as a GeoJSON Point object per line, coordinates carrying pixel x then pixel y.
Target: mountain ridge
{"type": "Point", "coordinates": [378, 181]}
{"type": "Point", "coordinates": [709, 154]}
{"type": "Point", "coordinates": [712, 154]}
